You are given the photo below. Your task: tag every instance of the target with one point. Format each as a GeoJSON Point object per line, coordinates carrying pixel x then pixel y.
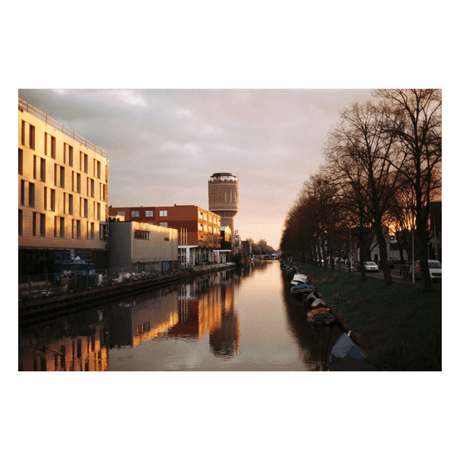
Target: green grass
{"type": "Point", "coordinates": [399, 325]}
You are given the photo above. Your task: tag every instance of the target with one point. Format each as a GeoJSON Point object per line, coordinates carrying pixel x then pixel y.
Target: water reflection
{"type": "Point", "coordinates": [75, 343]}
{"type": "Point", "coordinates": [231, 320]}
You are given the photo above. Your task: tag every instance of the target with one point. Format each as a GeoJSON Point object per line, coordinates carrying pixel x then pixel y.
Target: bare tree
{"type": "Point", "coordinates": [418, 126]}
{"type": "Point", "coordinates": [358, 150]}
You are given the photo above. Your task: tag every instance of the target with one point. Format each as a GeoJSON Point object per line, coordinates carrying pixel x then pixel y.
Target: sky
{"type": "Point", "coordinates": [164, 145]}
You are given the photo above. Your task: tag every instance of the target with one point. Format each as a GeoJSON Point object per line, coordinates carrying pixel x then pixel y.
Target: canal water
{"type": "Point", "coordinates": [234, 320]}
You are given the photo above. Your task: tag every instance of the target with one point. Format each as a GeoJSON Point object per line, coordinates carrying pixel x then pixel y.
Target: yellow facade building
{"type": "Point", "coordinates": [62, 193]}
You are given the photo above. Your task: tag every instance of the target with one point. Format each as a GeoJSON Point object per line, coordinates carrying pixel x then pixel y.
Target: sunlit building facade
{"type": "Point", "coordinates": [62, 193]}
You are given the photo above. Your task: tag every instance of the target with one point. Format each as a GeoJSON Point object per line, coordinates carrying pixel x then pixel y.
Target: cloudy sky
{"type": "Point", "coordinates": [163, 145]}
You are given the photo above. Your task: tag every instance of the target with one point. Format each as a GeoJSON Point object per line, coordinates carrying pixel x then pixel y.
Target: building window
{"type": "Point", "coordinates": [163, 213]}
{"type": "Point", "coordinates": [98, 216]}
{"type": "Point", "coordinates": [20, 161]}
{"type": "Point", "coordinates": [42, 225]}
{"type": "Point", "coordinates": [62, 176]}
{"type": "Point", "coordinates": [23, 132]}
{"type": "Point", "coordinates": [84, 207]}
{"type": "Point", "coordinates": [53, 200]}
{"type": "Point", "coordinates": [84, 162]}
{"type": "Point", "coordinates": [20, 222]}
{"type": "Point", "coordinates": [134, 213]}
{"type": "Point", "coordinates": [148, 213]}
{"type": "Point", "coordinates": [68, 154]}
{"type": "Point", "coordinates": [97, 169]}
{"type": "Point", "coordinates": [35, 167]}
{"type": "Point", "coordinates": [42, 169]}
{"type": "Point", "coordinates": [39, 226]}
{"type": "Point", "coordinates": [32, 137]}
{"type": "Point", "coordinates": [31, 194]}
{"type": "Point", "coordinates": [76, 229]}
{"type": "Point", "coordinates": [90, 231]}
{"type": "Point", "coordinates": [76, 182]}
{"type": "Point", "coordinates": [23, 192]}
{"type": "Point", "coordinates": [68, 204]}
{"type": "Point", "coordinates": [163, 224]}
{"type": "Point", "coordinates": [141, 235]}
{"type": "Point", "coordinates": [121, 213]}
{"type": "Point", "coordinates": [90, 187]}
{"type": "Point", "coordinates": [50, 145]}
{"type": "Point", "coordinates": [59, 227]}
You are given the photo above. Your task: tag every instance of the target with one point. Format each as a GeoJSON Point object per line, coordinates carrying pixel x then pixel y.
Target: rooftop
{"type": "Point", "coordinates": [25, 106]}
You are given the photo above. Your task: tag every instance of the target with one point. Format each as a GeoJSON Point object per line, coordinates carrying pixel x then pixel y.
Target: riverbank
{"type": "Point", "coordinates": [45, 308]}
{"type": "Point", "coordinates": [398, 325]}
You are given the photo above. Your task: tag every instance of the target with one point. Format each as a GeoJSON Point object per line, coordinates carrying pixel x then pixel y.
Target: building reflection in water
{"type": "Point", "coordinates": [207, 307]}
{"type": "Point", "coordinates": [200, 309]}
{"type": "Point", "coordinates": [76, 343]}
{"type": "Point", "coordinates": [143, 318]}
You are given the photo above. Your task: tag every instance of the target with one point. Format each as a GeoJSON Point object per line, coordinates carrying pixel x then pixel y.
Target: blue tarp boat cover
{"type": "Point", "coordinates": [345, 346]}
{"type": "Point", "coordinates": [301, 286]}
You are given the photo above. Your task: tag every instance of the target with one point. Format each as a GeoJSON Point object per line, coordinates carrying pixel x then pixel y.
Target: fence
{"type": "Point", "coordinates": [50, 284]}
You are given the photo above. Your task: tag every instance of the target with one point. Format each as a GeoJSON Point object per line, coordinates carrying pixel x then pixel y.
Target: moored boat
{"type": "Point", "coordinates": [299, 278]}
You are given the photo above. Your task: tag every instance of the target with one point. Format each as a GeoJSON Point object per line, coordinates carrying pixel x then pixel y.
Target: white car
{"type": "Point", "coordinates": [435, 270]}
{"type": "Point", "coordinates": [371, 267]}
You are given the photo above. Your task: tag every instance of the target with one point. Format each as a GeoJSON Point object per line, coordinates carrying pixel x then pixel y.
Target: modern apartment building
{"type": "Point", "coordinates": [62, 193]}
{"type": "Point", "coordinates": [199, 229]}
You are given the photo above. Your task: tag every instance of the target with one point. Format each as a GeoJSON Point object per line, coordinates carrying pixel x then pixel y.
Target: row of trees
{"type": "Point", "coordinates": [382, 170]}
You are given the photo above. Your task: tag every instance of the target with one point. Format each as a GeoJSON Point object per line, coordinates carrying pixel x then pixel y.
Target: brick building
{"type": "Point", "coordinates": [199, 229]}
{"type": "Point", "coordinates": [62, 193]}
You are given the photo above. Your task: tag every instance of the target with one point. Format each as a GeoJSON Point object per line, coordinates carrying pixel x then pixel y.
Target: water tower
{"type": "Point", "coordinates": [223, 198]}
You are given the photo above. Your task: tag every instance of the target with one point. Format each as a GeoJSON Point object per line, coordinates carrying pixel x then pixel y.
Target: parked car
{"type": "Point", "coordinates": [371, 266]}
{"type": "Point", "coordinates": [390, 264]}
{"type": "Point", "coordinates": [435, 270]}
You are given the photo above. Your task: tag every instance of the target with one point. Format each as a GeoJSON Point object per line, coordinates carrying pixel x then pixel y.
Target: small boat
{"type": "Point", "coordinates": [323, 318]}
{"type": "Point", "coordinates": [302, 289]}
{"type": "Point", "coordinates": [315, 311]}
{"type": "Point", "coordinates": [345, 346]}
{"type": "Point", "coordinates": [299, 279]}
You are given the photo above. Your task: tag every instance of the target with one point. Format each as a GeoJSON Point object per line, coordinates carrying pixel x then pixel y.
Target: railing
{"type": "Point", "coordinates": [47, 285]}
{"type": "Point", "coordinates": [59, 126]}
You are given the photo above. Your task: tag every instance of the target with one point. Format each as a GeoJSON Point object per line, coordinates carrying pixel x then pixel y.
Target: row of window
{"type": "Point", "coordinates": [205, 228]}
{"type": "Point", "coordinates": [28, 140]}
{"type": "Point", "coordinates": [147, 213]}
{"type": "Point", "coordinates": [39, 173]}
{"type": "Point", "coordinates": [39, 227]}
{"type": "Point", "coordinates": [141, 235]}
{"type": "Point", "coordinates": [49, 201]}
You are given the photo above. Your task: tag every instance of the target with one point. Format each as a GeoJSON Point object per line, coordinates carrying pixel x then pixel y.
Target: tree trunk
{"type": "Point", "coordinates": [383, 253]}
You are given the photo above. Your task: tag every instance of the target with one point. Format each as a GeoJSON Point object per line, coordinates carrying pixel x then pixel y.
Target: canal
{"type": "Point", "coordinates": [234, 320]}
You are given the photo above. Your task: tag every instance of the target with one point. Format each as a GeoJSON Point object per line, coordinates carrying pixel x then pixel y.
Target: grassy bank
{"type": "Point", "coordinates": [399, 326]}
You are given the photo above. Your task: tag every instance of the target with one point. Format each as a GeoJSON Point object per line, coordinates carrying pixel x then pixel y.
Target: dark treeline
{"type": "Point", "coordinates": [382, 169]}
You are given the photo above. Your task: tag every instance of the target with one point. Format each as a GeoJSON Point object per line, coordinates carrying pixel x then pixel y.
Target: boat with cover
{"type": "Point", "coordinates": [299, 278]}
{"type": "Point", "coordinates": [348, 356]}
{"type": "Point", "coordinates": [322, 318]}
{"type": "Point", "coordinates": [345, 346]}
{"type": "Point", "coordinates": [301, 289]}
